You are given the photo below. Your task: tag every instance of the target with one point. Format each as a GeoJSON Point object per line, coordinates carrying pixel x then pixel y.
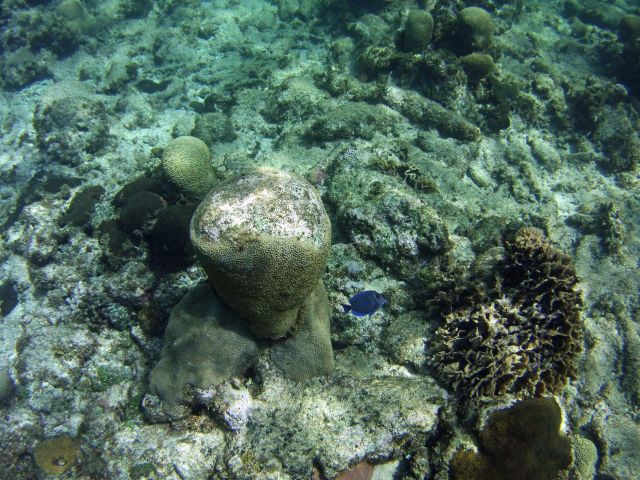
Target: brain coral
{"type": "Point", "coordinates": [186, 162]}
{"type": "Point", "coordinates": [527, 340]}
{"type": "Point", "coordinates": [263, 240]}
{"type": "Point", "coordinates": [585, 458]}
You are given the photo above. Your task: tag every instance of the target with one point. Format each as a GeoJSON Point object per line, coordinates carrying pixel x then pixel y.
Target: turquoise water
{"type": "Point", "coordinates": [190, 192]}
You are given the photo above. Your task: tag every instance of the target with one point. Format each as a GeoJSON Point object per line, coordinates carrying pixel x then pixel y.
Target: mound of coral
{"type": "Point", "coordinates": [525, 341]}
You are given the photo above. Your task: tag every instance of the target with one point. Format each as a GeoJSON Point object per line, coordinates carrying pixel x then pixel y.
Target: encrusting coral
{"type": "Point", "coordinates": [56, 455]}
{"type": "Point", "coordinates": [527, 340]}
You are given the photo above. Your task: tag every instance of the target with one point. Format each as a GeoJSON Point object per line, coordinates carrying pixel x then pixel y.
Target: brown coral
{"type": "Point", "coordinates": [521, 442]}
{"type": "Point", "coordinates": [56, 455]}
{"type": "Point", "coordinates": [525, 342]}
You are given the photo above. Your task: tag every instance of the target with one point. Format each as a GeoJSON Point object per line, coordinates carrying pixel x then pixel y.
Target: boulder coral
{"type": "Point", "coordinates": [263, 240]}
{"type": "Point", "coordinates": [418, 31]}
{"type": "Point", "coordinates": [187, 163]}
{"type": "Point", "coordinates": [522, 442]}
{"type": "Point", "coordinates": [475, 28]}
{"type": "Point", "coordinates": [307, 352]}
{"type": "Point", "coordinates": [205, 344]}
{"type": "Point", "coordinates": [56, 456]}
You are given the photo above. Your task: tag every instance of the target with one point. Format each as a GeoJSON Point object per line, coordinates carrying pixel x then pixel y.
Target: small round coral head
{"type": "Point", "coordinates": [365, 303]}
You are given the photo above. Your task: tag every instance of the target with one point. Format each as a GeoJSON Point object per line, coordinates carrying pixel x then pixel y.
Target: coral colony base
{"type": "Point", "coordinates": [319, 239]}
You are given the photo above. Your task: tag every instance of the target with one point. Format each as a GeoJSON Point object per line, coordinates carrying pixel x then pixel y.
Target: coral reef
{"type": "Point", "coordinates": [525, 342]}
{"type": "Point", "coordinates": [418, 31]}
{"type": "Point", "coordinates": [475, 28]}
{"type": "Point", "coordinates": [477, 65]}
{"type": "Point", "coordinates": [429, 142]}
{"type": "Point", "coordinates": [585, 457]}
{"type": "Point", "coordinates": [307, 352]}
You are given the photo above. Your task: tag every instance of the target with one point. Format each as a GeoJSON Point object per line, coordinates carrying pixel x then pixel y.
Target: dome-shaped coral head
{"type": "Point", "coordinates": [263, 239]}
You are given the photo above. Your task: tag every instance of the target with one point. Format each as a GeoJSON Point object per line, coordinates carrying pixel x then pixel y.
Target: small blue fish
{"type": "Point", "coordinates": [365, 303]}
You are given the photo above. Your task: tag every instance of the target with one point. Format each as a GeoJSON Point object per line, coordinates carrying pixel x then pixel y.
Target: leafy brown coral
{"type": "Point", "coordinates": [525, 342]}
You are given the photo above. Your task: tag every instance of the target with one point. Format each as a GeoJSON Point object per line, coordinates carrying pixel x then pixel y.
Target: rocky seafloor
{"type": "Point", "coordinates": [432, 139]}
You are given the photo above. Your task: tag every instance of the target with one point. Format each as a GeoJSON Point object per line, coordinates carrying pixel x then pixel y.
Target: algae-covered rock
{"type": "Point", "coordinates": [76, 15]}
{"type": "Point", "coordinates": [263, 240]}
{"type": "Point", "coordinates": [477, 65]}
{"type": "Point", "coordinates": [213, 127]}
{"type": "Point", "coordinates": [476, 28]}
{"type": "Point", "coordinates": [619, 141]}
{"type": "Point", "coordinates": [397, 229]}
{"type": "Point", "coordinates": [418, 31]}
{"type": "Point", "coordinates": [307, 352]}
{"type": "Point", "coordinates": [205, 343]}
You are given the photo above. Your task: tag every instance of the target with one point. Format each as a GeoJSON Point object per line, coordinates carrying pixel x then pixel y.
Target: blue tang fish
{"type": "Point", "coordinates": [365, 303]}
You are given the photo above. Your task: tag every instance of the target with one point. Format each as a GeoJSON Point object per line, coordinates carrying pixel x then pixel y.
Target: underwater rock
{"type": "Point", "coordinates": [70, 123]}
{"type": "Point", "coordinates": [213, 127]}
{"type": "Point", "coordinates": [369, 418]}
{"type": "Point", "coordinates": [397, 230]}
{"type": "Point", "coordinates": [618, 138]}
{"type": "Point", "coordinates": [169, 238]}
{"type": "Point", "coordinates": [429, 114]}
{"type": "Point", "coordinates": [82, 206]}
{"type": "Point", "coordinates": [358, 119]}
{"type": "Point", "coordinates": [295, 100]}
{"type": "Point", "coordinates": [23, 67]}
{"type": "Point", "coordinates": [7, 388]}
{"type": "Point", "coordinates": [76, 16]}
{"type": "Point", "coordinates": [8, 297]}
{"type": "Point", "coordinates": [139, 212]}
{"type": "Point", "coordinates": [263, 240]}
{"type": "Point", "coordinates": [404, 339]}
